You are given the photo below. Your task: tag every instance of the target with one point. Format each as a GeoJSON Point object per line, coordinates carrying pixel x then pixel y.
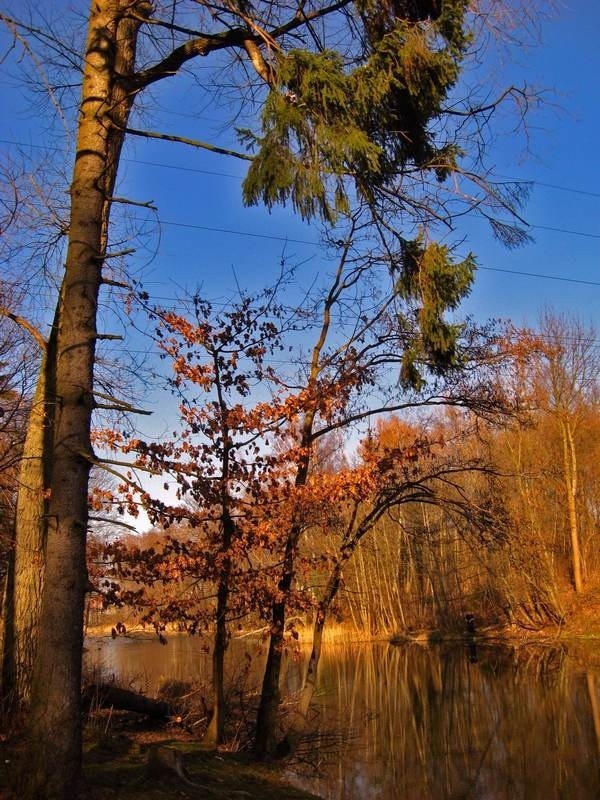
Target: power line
{"type": "Point", "coordinates": [520, 273]}
{"type": "Point", "coordinates": [235, 232]}
{"type": "Point", "coordinates": [545, 276]}
{"type": "Point", "coordinates": [183, 169]}
{"type": "Point", "coordinates": [163, 165]}
{"type": "Point", "coordinates": [183, 304]}
{"type": "Point", "coordinates": [556, 186]}
{"type": "Point", "coordinates": [587, 234]}
{"type": "Point", "coordinates": [134, 161]}
{"type": "Point", "coordinates": [231, 231]}
{"type": "Point", "coordinates": [533, 182]}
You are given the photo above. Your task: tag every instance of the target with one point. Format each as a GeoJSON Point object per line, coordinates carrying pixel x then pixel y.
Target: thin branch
{"type": "Point", "coordinates": [113, 522]}
{"type": "Point", "coordinates": [23, 323]}
{"type": "Point", "coordinates": [129, 409]}
{"type": "Point", "coordinates": [121, 405]}
{"type": "Point", "coordinates": [118, 254]}
{"type": "Point", "coordinates": [140, 203]}
{"type": "Point", "coordinates": [102, 463]}
{"type": "Point", "coordinates": [167, 137]}
{"type": "Point", "coordinates": [301, 18]}
{"type": "Point", "coordinates": [492, 106]}
{"type": "Point", "coordinates": [118, 284]}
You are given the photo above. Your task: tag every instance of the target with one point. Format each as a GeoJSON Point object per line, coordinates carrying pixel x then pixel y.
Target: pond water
{"type": "Point", "coordinates": [436, 723]}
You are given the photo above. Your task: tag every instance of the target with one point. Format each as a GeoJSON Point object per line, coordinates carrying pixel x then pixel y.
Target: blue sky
{"type": "Point", "coordinates": [561, 149]}
{"type": "Point", "coordinates": [216, 243]}
{"type": "Point", "coordinates": [196, 188]}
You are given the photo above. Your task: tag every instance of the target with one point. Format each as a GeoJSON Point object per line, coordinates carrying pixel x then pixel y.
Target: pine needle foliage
{"type": "Point", "coordinates": [335, 129]}
{"type": "Point", "coordinates": [431, 280]}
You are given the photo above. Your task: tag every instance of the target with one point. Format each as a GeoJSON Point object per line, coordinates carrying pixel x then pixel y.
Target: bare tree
{"type": "Point", "coordinates": [569, 383]}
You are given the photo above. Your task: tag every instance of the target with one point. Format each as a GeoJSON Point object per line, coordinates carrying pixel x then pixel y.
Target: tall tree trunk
{"type": "Point", "coordinates": [297, 723]}
{"type": "Point", "coordinates": [215, 730]}
{"type": "Point", "coordinates": [52, 758]}
{"type": "Point", "coordinates": [266, 720]}
{"type": "Point", "coordinates": [570, 478]}
{"type": "Point", "coordinates": [23, 595]}
{"type": "Point", "coordinates": [270, 697]}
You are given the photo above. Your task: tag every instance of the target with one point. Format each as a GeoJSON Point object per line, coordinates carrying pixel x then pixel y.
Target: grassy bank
{"type": "Point", "coordinates": [116, 768]}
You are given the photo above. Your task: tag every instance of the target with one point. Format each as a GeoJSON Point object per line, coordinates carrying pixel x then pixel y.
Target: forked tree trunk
{"type": "Point", "coordinates": [297, 724]}
{"type": "Point", "coordinates": [52, 757]}
{"type": "Point", "coordinates": [265, 742]}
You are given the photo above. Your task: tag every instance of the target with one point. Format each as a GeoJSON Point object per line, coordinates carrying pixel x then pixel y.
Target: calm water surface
{"type": "Point", "coordinates": [416, 723]}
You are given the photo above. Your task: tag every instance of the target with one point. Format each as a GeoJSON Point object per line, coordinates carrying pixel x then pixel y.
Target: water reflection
{"type": "Point", "coordinates": [425, 723]}
{"type": "Point", "coordinates": [430, 723]}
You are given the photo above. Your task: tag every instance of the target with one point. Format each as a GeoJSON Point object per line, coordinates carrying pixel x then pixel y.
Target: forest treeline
{"type": "Point", "coordinates": [486, 510]}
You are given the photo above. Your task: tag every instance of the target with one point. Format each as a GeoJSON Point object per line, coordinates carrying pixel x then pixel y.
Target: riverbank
{"type": "Point", "coordinates": [116, 767]}
{"type": "Point", "coordinates": [580, 621]}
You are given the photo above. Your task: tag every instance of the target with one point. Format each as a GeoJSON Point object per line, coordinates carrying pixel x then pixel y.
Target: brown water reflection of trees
{"type": "Point", "coordinates": [417, 723]}
{"type": "Point", "coordinates": [428, 723]}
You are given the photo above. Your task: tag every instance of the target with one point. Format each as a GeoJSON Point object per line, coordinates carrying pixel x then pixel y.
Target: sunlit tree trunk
{"type": "Point", "coordinates": [570, 475]}
{"type": "Point", "coordinates": [270, 697]}
{"type": "Point", "coordinates": [570, 380]}
{"type": "Point", "coordinates": [23, 594]}
{"type": "Point", "coordinates": [52, 757]}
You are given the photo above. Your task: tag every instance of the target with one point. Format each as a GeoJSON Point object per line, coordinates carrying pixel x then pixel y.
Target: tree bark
{"type": "Point", "coordinates": [52, 757]}
{"type": "Point", "coordinates": [23, 595]}
{"type": "Point", "coordinates": [270, 697]}
{"type": "Point", "coordinates": [215, 730]}
{"type": "Point", "coordinates": [298, 720]}
{"type": "Point", "coordinates": [570, 477]}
